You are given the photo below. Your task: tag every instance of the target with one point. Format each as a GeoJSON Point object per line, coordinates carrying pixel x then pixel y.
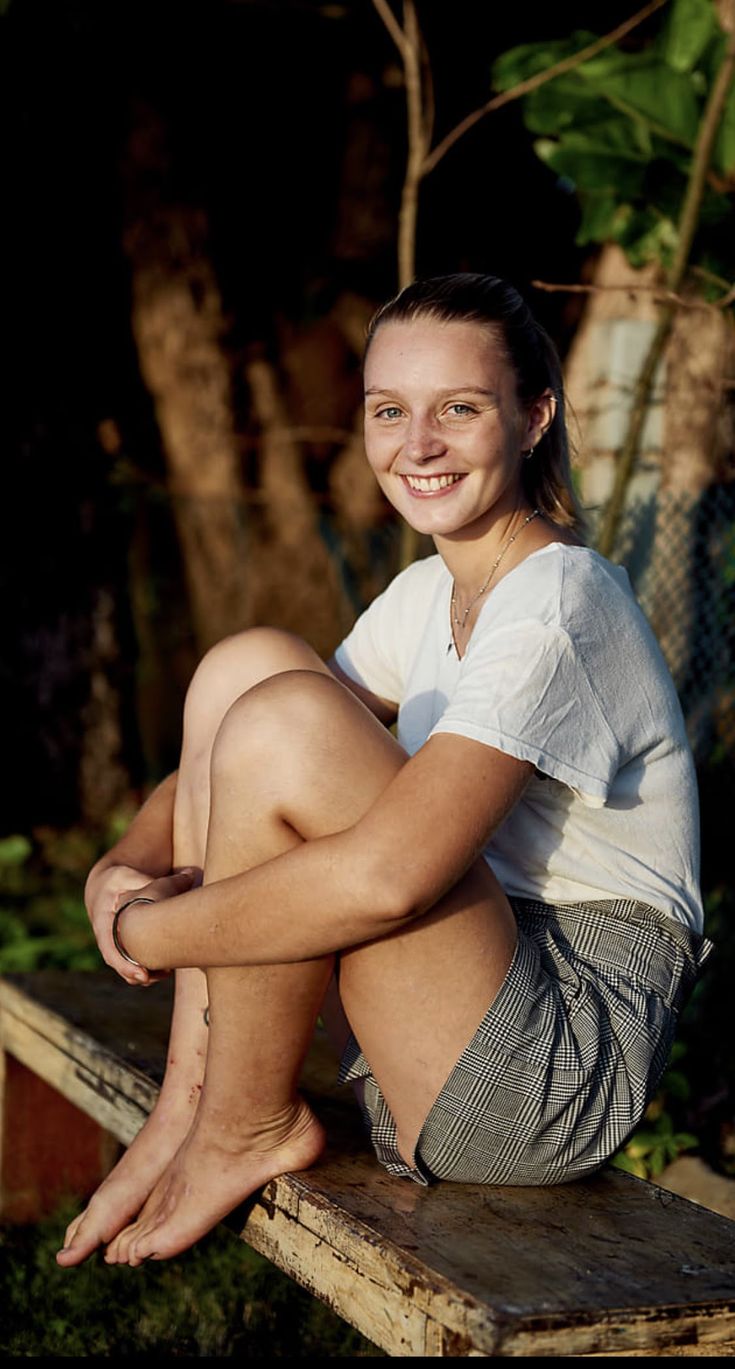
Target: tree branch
{"type": "Point", "coordinates": [533, 82]}
{"type": "Point", "coordinates": [392, 25]}
{"type": "Point", "coordinates": [660, 296]}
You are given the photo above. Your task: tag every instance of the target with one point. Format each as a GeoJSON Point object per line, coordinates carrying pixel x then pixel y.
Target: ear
{"type": "Point", "coordinates": [539, 418]}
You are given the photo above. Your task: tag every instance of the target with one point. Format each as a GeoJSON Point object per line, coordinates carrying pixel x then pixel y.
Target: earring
{"type": "Point", "coordinates": [527, 455]}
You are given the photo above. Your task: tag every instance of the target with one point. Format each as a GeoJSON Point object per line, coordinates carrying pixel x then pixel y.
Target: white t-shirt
{"type": "Point", "coordinates": [562, 670]}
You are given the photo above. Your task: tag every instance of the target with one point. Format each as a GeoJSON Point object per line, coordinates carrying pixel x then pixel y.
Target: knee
{"type": "Point", "coordinates": [279, 716]}
{"type": "Point", "coordinates": [231, 668]}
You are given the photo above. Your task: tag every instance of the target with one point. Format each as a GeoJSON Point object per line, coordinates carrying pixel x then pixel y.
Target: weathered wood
{"type": "Point", "coordinates": [49, 1149]}
{"type": "Point", "coordinates": [611, 1265]}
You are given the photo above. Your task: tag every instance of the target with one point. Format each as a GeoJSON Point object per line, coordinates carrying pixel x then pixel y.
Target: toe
{"type": "Point", "coordinates": [80, 1240]}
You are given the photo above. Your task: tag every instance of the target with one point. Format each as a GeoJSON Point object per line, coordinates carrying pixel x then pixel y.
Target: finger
{"type": "Point", "coordinates": [167, 886]}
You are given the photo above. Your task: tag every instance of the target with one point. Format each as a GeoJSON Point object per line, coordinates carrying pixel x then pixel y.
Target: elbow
{"type": "Point", "coordinates": [389, 894]}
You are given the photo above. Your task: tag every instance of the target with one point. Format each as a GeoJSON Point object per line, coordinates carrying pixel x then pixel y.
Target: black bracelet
{"type": "Point", "coordinates": [116, 939]}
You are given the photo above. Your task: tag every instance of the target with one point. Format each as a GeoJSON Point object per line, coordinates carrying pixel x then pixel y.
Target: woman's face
{"type": "Point", "coordinates": [444, 432]}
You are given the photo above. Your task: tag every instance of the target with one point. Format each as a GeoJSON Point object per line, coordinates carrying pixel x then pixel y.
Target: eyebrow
{"type": "Point", "coordinates": [450, 390]}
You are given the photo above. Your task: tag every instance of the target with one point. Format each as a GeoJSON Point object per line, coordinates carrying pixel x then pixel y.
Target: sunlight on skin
{"type": "Point", "coordinates": [206, 1181]}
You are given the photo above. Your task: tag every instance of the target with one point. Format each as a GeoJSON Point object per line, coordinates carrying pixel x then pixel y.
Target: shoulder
{"type": "Point", "coordinates": [562, 585]}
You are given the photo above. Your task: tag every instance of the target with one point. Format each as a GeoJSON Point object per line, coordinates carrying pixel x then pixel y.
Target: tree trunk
{"type": "Point", "coordinates": [676, 491]}
{"type": "Point", "coordinates": [178, 325]}
{"type": "Point", "coordinates": [295, 585]}
{"type": "Point", "coordinates": [600, 371]}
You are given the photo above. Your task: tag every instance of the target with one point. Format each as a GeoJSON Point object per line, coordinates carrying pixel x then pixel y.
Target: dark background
{"type": "Point", "coordinates": [285, 123]}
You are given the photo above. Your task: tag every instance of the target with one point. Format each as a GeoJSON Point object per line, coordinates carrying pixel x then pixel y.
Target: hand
{"type": "Point", "coordinates": [108, 890]}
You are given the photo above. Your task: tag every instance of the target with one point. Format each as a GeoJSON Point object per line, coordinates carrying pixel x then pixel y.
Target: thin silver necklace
{"type": "Point", "coordinates": [461, 622]}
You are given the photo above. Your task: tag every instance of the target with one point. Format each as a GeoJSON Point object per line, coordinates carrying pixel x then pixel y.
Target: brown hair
{"type": "Point", "coordinates": [467, 297]}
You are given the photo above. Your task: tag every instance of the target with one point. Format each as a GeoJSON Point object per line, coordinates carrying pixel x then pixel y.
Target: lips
{"type": "Point", "coordinates": [431, 484]}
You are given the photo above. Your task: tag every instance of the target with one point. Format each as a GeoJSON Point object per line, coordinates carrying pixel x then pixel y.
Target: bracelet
{"type": "Point", "coordinates": [116, 939]}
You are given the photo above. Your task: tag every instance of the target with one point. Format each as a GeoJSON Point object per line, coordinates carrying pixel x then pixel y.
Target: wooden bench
{"type": "Point", "coordinates": [612, 1265]}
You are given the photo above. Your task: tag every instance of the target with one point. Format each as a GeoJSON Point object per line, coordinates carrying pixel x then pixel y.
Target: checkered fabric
{"type": "Point", "coordinates": [562, 1066]}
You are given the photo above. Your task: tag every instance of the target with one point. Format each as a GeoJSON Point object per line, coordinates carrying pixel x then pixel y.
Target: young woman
{"type": "Point", "coordinates": [501, 906]}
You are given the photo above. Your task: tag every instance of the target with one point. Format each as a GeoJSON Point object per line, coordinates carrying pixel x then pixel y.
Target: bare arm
{"type": "Point", "coordinates": [414, 844]}
{"type": "Point", "coordinates": [145, 852]}
{"type": "Point", "coordinates": [385, 711]}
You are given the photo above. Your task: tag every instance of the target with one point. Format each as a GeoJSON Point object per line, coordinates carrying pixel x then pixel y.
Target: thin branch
{"type": "Point", "coordinates": [533, 82]}
{"type": "Point", "coordinates": [702, 152]}
{"type": "Point", "coordinates": [392, 25]}
{"type": "Point", "coordinates": [659, 296]}
{"type": "Point", "coordinates": [724, 300]}
{"type": "Point", "coordinates": [416, 147]}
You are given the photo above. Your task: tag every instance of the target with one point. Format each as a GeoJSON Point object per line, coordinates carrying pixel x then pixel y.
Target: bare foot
{"type": "Point", "coordinates": [122, 1194]}
{"type": "Point", "coordinates": [216, 1168]}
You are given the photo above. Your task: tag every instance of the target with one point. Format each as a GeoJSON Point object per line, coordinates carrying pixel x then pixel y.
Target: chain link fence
{"type": "Point", "coordinates": [679, 552]}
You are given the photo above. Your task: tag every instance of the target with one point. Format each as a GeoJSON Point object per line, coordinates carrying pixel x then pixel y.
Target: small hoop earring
{"type": "Point", "coordinates": [527, 455]}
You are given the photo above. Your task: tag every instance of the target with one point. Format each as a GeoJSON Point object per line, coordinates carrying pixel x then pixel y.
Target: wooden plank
{"type": "Point", "coordinates": [107, 1100]}
{"type": "Point", "coordinates": [480, 1319]}
{"type": "Point", "coordinates": [603, 1266]}
{"type": "Point", "coordinates": [48, 1148]}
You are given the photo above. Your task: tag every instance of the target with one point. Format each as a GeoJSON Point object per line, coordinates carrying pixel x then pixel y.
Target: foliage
{"type": "Point", "coordinates": [693, 1106]}
{"type": "Point", "coordinates": [657, 1143]}
{"type": "Point", "coordinates": [43, 921]}
{"type": "Point", "coordinates": [219, 1299]}
{"type": "Point", "coordinates": [620, 130]}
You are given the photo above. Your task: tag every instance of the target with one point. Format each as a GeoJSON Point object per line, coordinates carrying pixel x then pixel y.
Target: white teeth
{"type": "Point", "coordinates": [427, 483]}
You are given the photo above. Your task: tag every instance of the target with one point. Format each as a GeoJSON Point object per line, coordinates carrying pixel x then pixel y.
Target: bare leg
{"type": "Point", "coordinates": [295, 759]}
{"type": "Point", "coordinates": [229, 669]}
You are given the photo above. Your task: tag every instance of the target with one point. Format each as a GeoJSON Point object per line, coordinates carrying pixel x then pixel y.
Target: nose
{"type": "Point", "coordinates": [423, 439]}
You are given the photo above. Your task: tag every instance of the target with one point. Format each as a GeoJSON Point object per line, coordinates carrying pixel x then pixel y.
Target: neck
{"type": "Point", "coordinates": [470, 556]}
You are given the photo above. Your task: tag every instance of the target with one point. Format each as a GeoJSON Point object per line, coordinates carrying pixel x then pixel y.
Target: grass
{"type": "Point", "coordinates": [219, 1299]}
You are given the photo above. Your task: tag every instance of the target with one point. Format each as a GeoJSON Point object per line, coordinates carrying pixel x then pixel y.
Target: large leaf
{"type": "Point", "coordinates": [690, 26]}
{"type": "Point", "coordinates": [590, 170]}
{"type": "Point", "coordinates": [611, 137]}
{"type": "Point", "coordinates": [646, 236]}
{"type": "Point", "coordinates": [527, 59]}
{"type": "Point", "coordinates": [647, 88]}
{"type": "Point", "coordinates": [599, 214]}
{"type": "Point", "coordinates": [566, 102]}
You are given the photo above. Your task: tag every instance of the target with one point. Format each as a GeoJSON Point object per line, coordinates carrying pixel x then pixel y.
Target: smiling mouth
{"type": "Point", "coordinates": [431, 484]}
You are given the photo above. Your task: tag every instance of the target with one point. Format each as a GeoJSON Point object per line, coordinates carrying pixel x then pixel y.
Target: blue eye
{"type": "Point", "coordinates": [390, 411]}
{"type": "Point", "coordinates": [461, 409]}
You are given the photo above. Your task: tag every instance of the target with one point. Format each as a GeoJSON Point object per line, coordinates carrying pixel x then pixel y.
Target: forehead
{"type": "Point", "coordinates": [430, 351]}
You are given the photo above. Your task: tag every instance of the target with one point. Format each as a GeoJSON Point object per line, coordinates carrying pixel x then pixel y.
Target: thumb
{"type": "Point", "coordinates": [186, 878]}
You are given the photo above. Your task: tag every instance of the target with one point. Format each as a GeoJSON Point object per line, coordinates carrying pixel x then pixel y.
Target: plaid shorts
{"type": "Point", "coordinates": [562, 1066]}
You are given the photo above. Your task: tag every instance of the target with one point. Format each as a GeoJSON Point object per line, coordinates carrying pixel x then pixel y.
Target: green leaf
{"type": "Point", "coordinates": [590, 170]}
{"type": "Point", "coordinates": [565, 102]}
{"type": "Point", "coordinates": [528, 59]}
{"type": "Point", "coordinates": [645, 88]}
{"type": "Point", "coordinates": [14, 850]}
{"type": "Point", "coordinates": [685, 1141]}
{"type": "Point", "coordinates": [624, 1161]}
{"type": "Point", "coordinates": [599, 213]}
{"type": "Point", "coordinates": [690, 26]}
{"type": "Point", "coordinates": [656, 1161]}
{"type": "Point", "coordinates": [642, 1144]}
{"type": "Point", "coordinates": [614, 137]}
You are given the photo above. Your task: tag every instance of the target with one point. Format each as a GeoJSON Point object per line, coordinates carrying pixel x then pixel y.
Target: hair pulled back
{"type": "Point", "coordinates": [468, 297]}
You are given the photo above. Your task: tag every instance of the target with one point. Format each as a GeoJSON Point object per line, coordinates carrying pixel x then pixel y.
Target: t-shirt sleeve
{"type": "Point", "coordinates": [525, 691]}
{"type": "Point", "coordinates": [371, 653]}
